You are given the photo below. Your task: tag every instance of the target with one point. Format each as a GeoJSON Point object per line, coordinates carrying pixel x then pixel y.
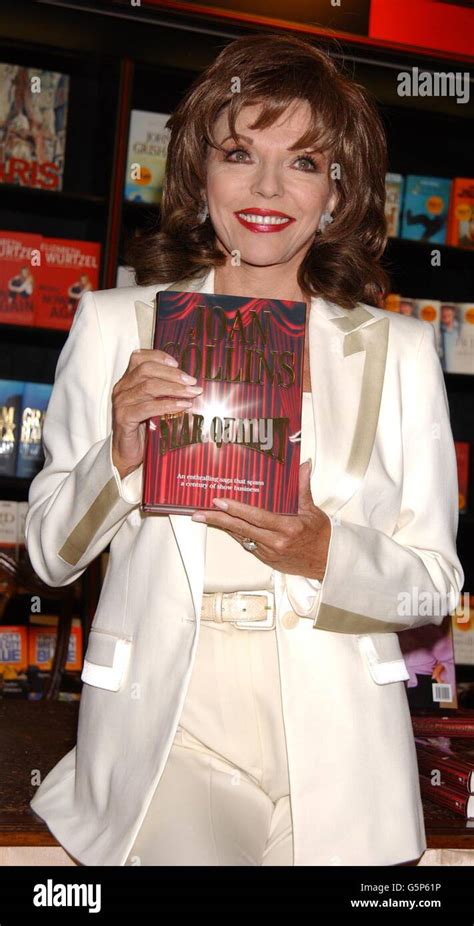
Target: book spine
{"type": "Point", "coordinates": [453, 770]}
{"type": "Point", "coordinates": [443, 726]}
{"type": "Point", "coordinates": [445, 797]}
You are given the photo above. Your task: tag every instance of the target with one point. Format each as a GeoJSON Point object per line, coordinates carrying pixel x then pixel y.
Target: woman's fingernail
{"type": "Point", "coordinates": [198, 516]}
{"type": "Point", "coordinates": [220, 503]}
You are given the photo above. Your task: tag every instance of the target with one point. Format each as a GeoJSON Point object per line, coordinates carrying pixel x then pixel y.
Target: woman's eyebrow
{"type": "Point", "coordinates": [250, 142]}
{"type": "Point", "coordinates": [237, 135]}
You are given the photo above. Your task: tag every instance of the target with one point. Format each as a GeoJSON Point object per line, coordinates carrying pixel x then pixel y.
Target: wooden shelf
{"type": "Point", "coordinates": [37, 734]}
{"type": "Point", "coordinates": [446, 830]}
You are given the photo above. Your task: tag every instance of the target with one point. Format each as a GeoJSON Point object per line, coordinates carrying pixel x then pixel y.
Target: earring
{"type": "Point", "coordinates": [203, 213]}
{"type": "Point", "coordinates": [326, 219]}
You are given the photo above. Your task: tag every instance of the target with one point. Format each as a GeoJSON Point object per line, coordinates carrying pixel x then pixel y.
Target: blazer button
{"type": "Point", "coordinates": [290, 620]}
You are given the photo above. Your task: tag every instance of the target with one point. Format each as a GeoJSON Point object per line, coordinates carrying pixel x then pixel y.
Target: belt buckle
{"type": "Point", "coordinates": [269, 622]}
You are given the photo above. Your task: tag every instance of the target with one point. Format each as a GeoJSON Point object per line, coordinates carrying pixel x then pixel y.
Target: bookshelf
{"type": "Point", "coordinates": [118, 64]}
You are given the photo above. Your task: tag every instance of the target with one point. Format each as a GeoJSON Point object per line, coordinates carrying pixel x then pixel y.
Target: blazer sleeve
{"type": "Point", "coordinates": [78, 501]}
{"type": "Point", "coordinates": [376, 583]}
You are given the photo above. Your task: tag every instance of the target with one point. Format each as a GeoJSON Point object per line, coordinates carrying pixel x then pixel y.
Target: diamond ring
{"type": "Point", "coordinates": [249, 544]}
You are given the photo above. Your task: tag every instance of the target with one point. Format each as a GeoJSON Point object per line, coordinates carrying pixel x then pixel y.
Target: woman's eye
{"type": "Point", "coordinates": [309, 161]}
{"type": "Point", "coordinates": [232, 154]}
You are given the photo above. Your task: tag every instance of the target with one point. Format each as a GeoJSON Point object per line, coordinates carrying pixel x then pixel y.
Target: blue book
{"type": "Point", "coordinates": [30, 450]}
{"type": "Point", "coordinates": [11, 391]}
{"type": "Point", "coordinates": [425, 209]}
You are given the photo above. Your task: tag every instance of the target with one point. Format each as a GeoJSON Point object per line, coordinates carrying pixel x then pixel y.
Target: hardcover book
{"type": "Point", "coordinates": [460, 802]}
{"type": "Point", "coordinates": [461, 213]}
{"type": "Point", "coordinates": [425, 208]}
{"type": "Point", "coordinates": [457, 337]}
{"type": "Point", "coordinates": [429, 310]}
{"type": "Point", "coordinates": [240, 439]}
{"type": "Point", "coordinates": [11, 397]}
{"type": "Point", "coordinates": [462, 449]}
{"type": "Point", "coordinates": [146, 157]}
{"type": "Point", "coordinates": [33, 117]}
{"type": "Point", "coordinates": [69, 269]}
{"type": "Point", "coordinates": [463, 639]}
{"type": "Point", "coordinates": [452, 756]}
{"type": "Point", "coordinates": [20, 274]}
{"type": "Point", "coordinates": [393, 203]}
{"type": "Point", "coordinates": [30, 459]}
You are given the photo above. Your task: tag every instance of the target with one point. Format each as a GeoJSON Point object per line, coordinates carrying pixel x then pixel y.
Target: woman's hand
{"type": "Point", "coordinates": [152, 385]}
{"type": "Point", "coordinates": [295, 544]}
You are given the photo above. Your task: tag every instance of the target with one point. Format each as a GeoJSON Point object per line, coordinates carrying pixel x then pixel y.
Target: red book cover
{"type": "Point", "coordinates": [461, 802]}
{"type": "Point", "coordinates": [20, 266]}
{"type": "Point", "coordinates": [240, 439]}
{"type": "Point", "coordinates": [453, 757]}
{"type": "Point", "coordinates": [462, 459]}
{"type": "Point", "coordinates": [69, 268]}
{"type": "Point", "coordinates": [458, 723]}
{"type": "Point", "coordinates": [461, 213]}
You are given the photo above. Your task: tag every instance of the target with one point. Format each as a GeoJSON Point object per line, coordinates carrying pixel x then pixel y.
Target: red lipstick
{"type": "Point", "coordinates": [263, 220]}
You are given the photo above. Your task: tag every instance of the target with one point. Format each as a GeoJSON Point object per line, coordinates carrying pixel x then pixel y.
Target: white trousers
{"type": "Point", "coordinates": [223, 797]}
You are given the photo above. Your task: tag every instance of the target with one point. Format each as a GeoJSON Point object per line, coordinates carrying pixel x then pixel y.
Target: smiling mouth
{"type": "Point", "coordinates": [264, 221]}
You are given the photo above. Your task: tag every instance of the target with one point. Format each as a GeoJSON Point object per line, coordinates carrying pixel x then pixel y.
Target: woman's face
{"type": "Point", "coordinates": [261, 174]}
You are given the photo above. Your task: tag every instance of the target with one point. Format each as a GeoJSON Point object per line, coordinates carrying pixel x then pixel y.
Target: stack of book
{"type": "Point", "coordinates": [445, 753]}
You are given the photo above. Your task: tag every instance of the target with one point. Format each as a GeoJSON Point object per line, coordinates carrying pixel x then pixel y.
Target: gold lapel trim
{"type": "Point", "coordinates": [373, 340]}
{"type": "Point", "coordinates": [81, 536]}
{"type": "Point", "coordinates": [338, 620]}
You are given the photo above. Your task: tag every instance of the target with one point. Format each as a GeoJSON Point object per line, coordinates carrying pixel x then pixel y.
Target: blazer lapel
{"type": "Point", "coordinates": [348, 352]}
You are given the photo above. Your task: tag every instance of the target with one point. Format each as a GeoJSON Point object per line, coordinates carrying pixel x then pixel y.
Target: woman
{"type": "Point", "coordinates": [284, 739]}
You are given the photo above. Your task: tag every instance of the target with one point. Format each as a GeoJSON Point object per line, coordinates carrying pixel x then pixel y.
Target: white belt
{"type": "Point", "coordinates": [252, 610]}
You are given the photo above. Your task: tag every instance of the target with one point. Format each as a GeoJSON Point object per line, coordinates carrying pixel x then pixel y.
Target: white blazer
{"type": "Point", "coordinates": [384, 472]}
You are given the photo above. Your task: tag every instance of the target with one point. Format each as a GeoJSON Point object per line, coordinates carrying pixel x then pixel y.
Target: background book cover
{"type": "Point", "coordinates": [69, 269]}
{"type": "Point", "coordinates": [463, 635]}
{"type": "Point", "coordinates": [240, 438]}
{"type": "Point", "coordinates": [20, 275]}
{"type": "Point", "coordinates": [462, 449]}
{"type": "Point", "coordinates": [33, 119]}
{"type": "Point", "coordinates": [393, 203]}
{"type": "Point", "coordinates": [425, 208]}
{"type": "Point", "coordinates": [146, 156]}
{"type": "Point", "coordinates": [461, 213]}
{"type": "Point", "coordinates": [11, 392]}
{"type": "Point", "coordinates": [429, 310]}
{"type": "Point", "coordinates": [35, 400]}
{"type": "Point", "coordinates": [457, 337]}
{"type": "Point", "coordinates": [428, 652]}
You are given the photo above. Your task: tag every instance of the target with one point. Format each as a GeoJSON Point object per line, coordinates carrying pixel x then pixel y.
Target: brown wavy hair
{"type": "Point", "coordinates": [276, 70]}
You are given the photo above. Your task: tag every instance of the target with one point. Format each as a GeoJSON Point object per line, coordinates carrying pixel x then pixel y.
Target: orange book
{"type": "Point", "coordinates": [462, 459]}
{"type": "Point", "coordinates": [69, 269]}
{"type": "Point", "coordinates": [13, 647]}
{"type": "Point", "coordinates": [461, 213]}
{"type": "Point", "coordinates": [42, 644]}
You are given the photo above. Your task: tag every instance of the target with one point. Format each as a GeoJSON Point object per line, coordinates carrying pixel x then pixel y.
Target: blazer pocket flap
{"type": "Point", "coordinates": [383, 657]}
{"type": "Point", "coordinates": [106, 659]}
